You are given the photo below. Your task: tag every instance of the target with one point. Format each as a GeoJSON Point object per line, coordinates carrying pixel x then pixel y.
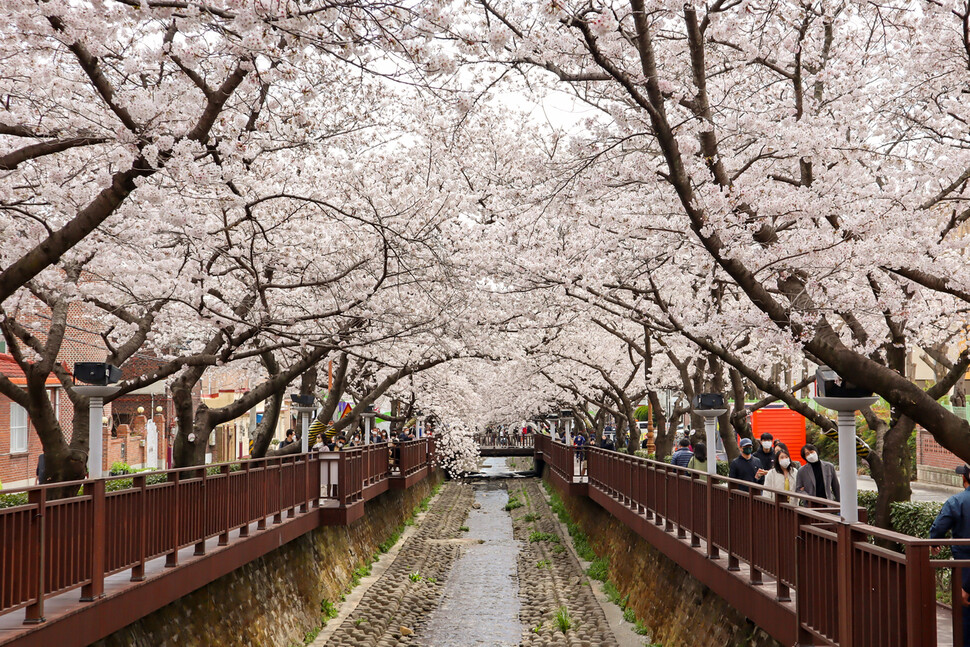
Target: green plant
{"type": "Point", "coordinates": [530, 517]}
{"type": "Point", "coordinates": [558, 549]}
{"type": "Point", "coordinates": [415, 577]}
{"type": "Point", "coordinates": [327, 611]}
{"type": "Point", "coordinates": [543, 563]}
{"type": "Point", "coordinates": [537, 536]}
{"type": "Point", "coordinates": [563, 620]}
{"type": "Point", "coordinates": [513, 504]}
{"type": "Point", "coordinates": [537, 629]}
{"type": "Point", "coordinates": [359, 621]}
{"type": "Point", "coordinates": [463, 529]}
{"type": "Point", "coordinates": [12, 500]}
{"type": "Point", "coordinates": [311, 635]}
{"type": "Point", "coordinates": [613, 594]}
{"type": "Point", "coordinates": [599, 569]}
{"type": "Point", "coordinates": [629, 615]}
{"type": "Point", "coordinates": [120, 467]}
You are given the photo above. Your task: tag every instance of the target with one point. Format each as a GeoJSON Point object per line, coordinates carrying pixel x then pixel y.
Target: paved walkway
{"type": "Point", "coordinates": [921, 491]}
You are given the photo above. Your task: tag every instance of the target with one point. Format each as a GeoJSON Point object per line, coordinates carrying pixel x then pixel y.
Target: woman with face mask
{"type": "Point", "coordinates": [782, 475]}
{"type": "Point", "coordinates": [818, 477]}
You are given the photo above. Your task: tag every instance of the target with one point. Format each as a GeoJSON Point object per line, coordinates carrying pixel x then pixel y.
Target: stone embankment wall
{"type": "Point", "coordinates": [679, 610]}
{"type": "Point", "coordinates": [276, 600]}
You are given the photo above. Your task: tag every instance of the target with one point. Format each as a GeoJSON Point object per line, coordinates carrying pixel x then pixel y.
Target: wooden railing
{"type": "Point", "coordinates": [848, 591]}
{"type": "Point", "coordinates": [48, 546]}
{"type": "Point", "coordinates": [491, 440]}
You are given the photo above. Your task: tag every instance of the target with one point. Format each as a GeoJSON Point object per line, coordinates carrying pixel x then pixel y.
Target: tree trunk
{"type": "Point", "coordinates": [893, 479]}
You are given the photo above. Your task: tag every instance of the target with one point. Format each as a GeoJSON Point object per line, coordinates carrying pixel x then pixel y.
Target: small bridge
{"type": "Point", "coordinates": [492, 444]}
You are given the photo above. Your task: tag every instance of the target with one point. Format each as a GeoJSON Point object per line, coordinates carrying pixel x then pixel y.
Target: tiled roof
{"type": "Point", "coordinates": [10, 369]}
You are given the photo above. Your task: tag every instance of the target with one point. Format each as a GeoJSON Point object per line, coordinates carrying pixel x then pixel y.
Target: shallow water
{"type": "Point", "coordinates": [480, 604]}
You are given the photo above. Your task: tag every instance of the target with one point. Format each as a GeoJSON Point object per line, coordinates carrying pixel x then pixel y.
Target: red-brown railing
{"type": "Point", "coordinates": [48, 547]}
{"type": "Point", "coordinates": [491, 439]}
{"type": "Point", "coordinates": [848, 590]}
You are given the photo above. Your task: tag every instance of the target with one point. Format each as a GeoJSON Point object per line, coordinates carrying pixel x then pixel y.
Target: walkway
{"type": "Point", "coordinates": [132, 550]}
{"type": "Point", "coordinates": [760, 553]}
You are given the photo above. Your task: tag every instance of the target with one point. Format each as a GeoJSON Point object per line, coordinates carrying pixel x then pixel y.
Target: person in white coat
{"type": "Point", "coordinates": [782, 475]}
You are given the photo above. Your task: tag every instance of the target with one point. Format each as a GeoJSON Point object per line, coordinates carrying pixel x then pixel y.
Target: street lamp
{"type": "Point", "coordinates": [566, 415]}
{"type": "Point", "coordinates": [551, 419]}
{"type": "Point", "coordinates": [303, 404]}
{"type": "Point", "coordinates": [709, 406]}
{"type": "Point", "coordinates": [419, 423]}
{"type": "Point", "coordinates": [368, 415]}
{"type": "Point", "coordinates": [99, 378]}
{"type": "Point", "coordinates": [832, 392]}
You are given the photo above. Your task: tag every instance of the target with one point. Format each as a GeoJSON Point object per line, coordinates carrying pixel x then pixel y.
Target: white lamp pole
{"type": "Point", "coordinates": [710, 406]}
{"type": "Point", "coordinates": [305, 427]}
{"type": "Point", "coordinates": [96, 396]}
{"type": "Point", "coordinates": [832, 393]}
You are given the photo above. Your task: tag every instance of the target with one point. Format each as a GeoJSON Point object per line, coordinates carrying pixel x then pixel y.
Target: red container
{"type": "Point", "coordinates": [784, 424]}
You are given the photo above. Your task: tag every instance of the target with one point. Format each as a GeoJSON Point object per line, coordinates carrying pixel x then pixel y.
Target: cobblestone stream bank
{"type": "Point", "coordinates": [400, 601]}
{"type": "Point", "coordinates": [552, 585]}
{"type": "Point", "coordinates": [557, 606]}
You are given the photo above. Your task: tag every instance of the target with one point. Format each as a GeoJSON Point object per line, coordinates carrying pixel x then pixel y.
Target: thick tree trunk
{"type": "Point", "coordinates": [893, 479]}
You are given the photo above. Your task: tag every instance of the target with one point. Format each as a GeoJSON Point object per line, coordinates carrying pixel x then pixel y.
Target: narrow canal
{"type": "Point", "coordinates": [470, 574]}
{"type": "Point", "coordinates": [480, 602]}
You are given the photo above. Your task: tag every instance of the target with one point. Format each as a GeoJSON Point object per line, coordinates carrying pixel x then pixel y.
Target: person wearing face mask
{"type": "Point", "coordinates": [746, 467]}
{"type": "Point", "coordinates": [765, 453]}
{"type": "Point", "coordinates": [818, 477]}
{"type": "Point", "coordinates": [782, 475]}
{"type": "Point", "coordinates": [954, 518]}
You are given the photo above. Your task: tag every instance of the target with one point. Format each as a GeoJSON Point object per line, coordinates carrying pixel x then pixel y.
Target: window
{"type": "Point", "coordinates": [18, 428]}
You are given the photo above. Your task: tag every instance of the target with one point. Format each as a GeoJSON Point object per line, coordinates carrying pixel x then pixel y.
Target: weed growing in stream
{"type": "Point", "coordinates": [563, 620]}
{"type": "Point", "coordinates": [529, 518]}
{"type": "Point", "coordinates": [543, 563]}
{"type": "Point", "coordinates": [463, 529]}
{"type": "Point", "coordinates": [513, 503]}
{"type": "Point", "coordinates": [599, 569]}
{"type": "Point", "coordinates": [537, 536]}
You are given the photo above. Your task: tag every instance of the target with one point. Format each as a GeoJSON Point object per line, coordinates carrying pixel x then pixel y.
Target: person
{"type": "Point", "coordinates": [290, 439]}
{"type": "Point", "coordinates": [818, 477]}
{"type": "Point", "coordinates": [699, 460]}
{"type": "Point", "coordinates": [779, 447]}
{"type": "Point", "coordinates": [41, 469]}
{"type": "Point", "coordinates": [579, 441]}
{"type": "Point", "coordinates": [607, 443]}
{"type": "Point", "coordinates": [782, 475]}
{"type": "Point", "coordinates": [765, 451]}
{"type": "Point", "coordinates": [683, 454]}
{"type": "Point", "coordinates": [746, 467]}
{"type": "Point", "coordinates": [954, 518]}
{"type": "Point", "coordinates": [339, 444]}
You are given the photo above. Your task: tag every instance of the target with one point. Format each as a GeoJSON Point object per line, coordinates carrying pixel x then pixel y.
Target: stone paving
{"type": "Point", "coordinates": [551, 579]}
{"type": "Point", "coordinates": [392, 609]}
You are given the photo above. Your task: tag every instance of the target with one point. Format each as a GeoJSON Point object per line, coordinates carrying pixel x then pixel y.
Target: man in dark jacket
{"type": "Point", "coordinates": [954, 518]}
{"type": "Point", "coordinates": [746, 467]}
{"type": "Point", "coordinates": [808, 478]}
{"type": "Point", "coordinates": [683, 454]}
{"type": "Point", "coordinates": [765, 453]}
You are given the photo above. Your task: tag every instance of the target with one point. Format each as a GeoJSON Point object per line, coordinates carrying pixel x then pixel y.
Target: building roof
{"type": "Point", "coordinates": [10, 369]}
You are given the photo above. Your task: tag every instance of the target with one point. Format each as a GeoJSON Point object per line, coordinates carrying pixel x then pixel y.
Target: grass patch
{"type": "Point", "coordinates": [558, 549]}
{"type": "Point", "coordinates": [563, 620]}
{"type": "Point", "coordinates": [580, 540]}
{"type": "Point", "coordinates": [543, 563]}
{"type": "Point", "coordinates": [463, 529]}
{"type": "Point", "coordinates": [613, 594]}
{"type": "Point", "coordinates": [359, 621]}
{"type": "Point", "coordinates": [532, 516]}
{"type": "Point", "coordinates": [513, 503]}
{"type": "Point", "coordinates": [599, 569]}
{"type": "Point", "coordinates": [629, 615]}
{"type": "Point", "coordinates": [537, 536]}
{"type": "Point", "coordinates": [415, 577]}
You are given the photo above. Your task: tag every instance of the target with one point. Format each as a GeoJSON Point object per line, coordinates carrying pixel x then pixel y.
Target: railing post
{"type": "Point", "coordinates": [668, 524]}
{"type": "Point", "coordinates": [140, 482]}
{"type": "Point", "coordinates": [844, 582]}
{"type": "Point", "coordinates": [733, 564]}
{"type": "Point", "coordinates": [95, 589]}
{"type": "Point", "coordinates": [200, 545]}
{"type": "Point", "coordinates": [957, 610]}
{"type": "Point", "coordinates": [35, 612]}
{"type": "Point", "coordinates": [921, 598]}
{"type": "Point", "coordinates": [712, 550]}
{"type": "Point", "coordinates": [782, 593]}
{"type": "Point", "coordinates": [754, 575]}
{"type": "Point", "coordinates": [305, 505]}
{"type": "Point", "coordinates": [278, 508]}
{"type": "Point", "coordinates": [224, 536]}
{"type": "Point", "coordinates": [342, 476]}
{"type": "Point", "coordinates": [291, 461]}
{"type": "Point", "coordinates": [248, 498]}
{"type": "Point", "coordinates": [172, 558]}
{"type": "Point", "coordinates": [262, 493]}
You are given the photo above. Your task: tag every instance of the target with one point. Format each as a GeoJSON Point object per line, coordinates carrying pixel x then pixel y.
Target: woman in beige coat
{"type": "Point", "coordinates": [782, 475]}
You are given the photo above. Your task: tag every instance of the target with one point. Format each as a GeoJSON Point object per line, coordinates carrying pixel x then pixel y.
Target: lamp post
{"type": "Point", "coordinates": [551, 419]}
{"type": "Point", "coordinates": [709, 406]}
{"type": "Point", "coordinates": [369, 415]}
{"type": "Point", "coordinates": [566, 415]}
{"type": "Point", "coordinates": [303, 404]}
{"type": "Point", "coordinates": [100, 378]}
{"type": "Point", "coordinates": [419, 423]}
{"type": "Point", "coordinates": [832, 392]}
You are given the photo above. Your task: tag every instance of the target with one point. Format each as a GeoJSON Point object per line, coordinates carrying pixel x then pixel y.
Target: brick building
{"type": "Point", "coordinates": [934, 463]}
{"type": "Point", "coordinates": [19, 444]}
